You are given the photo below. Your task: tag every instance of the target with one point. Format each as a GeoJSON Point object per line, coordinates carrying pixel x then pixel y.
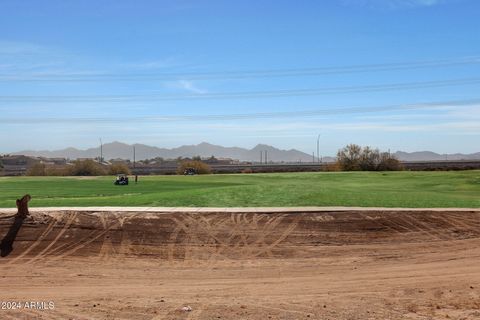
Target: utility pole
{"type": "Point", "coordinates": [261, 156]}
{"type": "Point", "coordinates": [101, 151]}
{"type": "Point", "coordinates": [133, 157]}
{"type": "Point", "coordinates": [313, 157]}
{"type": "Point", "coordinates": [318, 148]}
{"type": "Point", "coordinates": [266, 161]}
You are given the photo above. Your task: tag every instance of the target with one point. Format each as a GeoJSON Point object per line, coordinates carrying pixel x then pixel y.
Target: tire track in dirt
{"type": "Point", "coordinates": [81, 243]}
{"type": "Point", "coordinates": [460, 225]}
{"type": "Point", "coordinates": [409, 226]}
{"type": "Point", "coordinates": [226, 244]}
{"type": "Point", "coordinates": [171, 243]}
{"type": "Point", "coordinates": [283, 236]}
{"type": "Point", "coordinates": [65, 228]}
{"type": "Point", "coordinates": [265, 232]}
{"type": "Point", "coordinates": [195, 227]}
{"type": "Point", "coordinates": [94, 235]}
{"type": "Point", "coordinates": [428, 228]}
{"type": "Point", "coordinates": [107, 250]}
{"type": "Point", "coordinates": [207, 228]}
{"type": "Point", "coordinates": [222, 244]}
{"type": "Point", "coordinates": [475, 223]}
{"type": "Point", "coordinates": [191, 235]}
{"type": "Point", "coordinates": [376, 221]}
{"type": "Point", "coordinates": [238, 231]}
{"type": "Point", "coordinates": [235, 243]}
{"type": "Point", "coordinates": [37, 242]}
{"type": "Point", "coordinates": [68, 245]}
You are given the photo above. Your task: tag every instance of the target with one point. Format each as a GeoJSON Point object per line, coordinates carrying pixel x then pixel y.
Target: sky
{"type": "Point", "coordinates": [393, 74]}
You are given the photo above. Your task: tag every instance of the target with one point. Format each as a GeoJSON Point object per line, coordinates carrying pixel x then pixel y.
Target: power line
{"type": "Point", "coordinates": [244, 94]}
{"type": "Point", "coordinates": [242, 116]}
{"type": "Point", "coordinates": [232, 74]}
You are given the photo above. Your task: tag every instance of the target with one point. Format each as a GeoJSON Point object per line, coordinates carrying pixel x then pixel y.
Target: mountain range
{"type": "Point", "coordinates": [121, 150]}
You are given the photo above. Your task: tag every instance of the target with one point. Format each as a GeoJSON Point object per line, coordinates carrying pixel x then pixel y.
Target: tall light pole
{"type": "Point", "coordinates": [134, 157]}
{"type": "Point", "coordinates": [318, 148]}
{"type": "Point", "coordinates": [101, 151]}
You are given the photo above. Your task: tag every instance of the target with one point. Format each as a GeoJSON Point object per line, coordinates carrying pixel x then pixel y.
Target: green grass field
{"type": "Point", "coordinates": [366, 189]}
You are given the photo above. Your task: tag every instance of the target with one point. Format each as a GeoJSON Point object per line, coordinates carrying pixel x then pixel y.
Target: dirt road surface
{"type": "Point", "coordinates": [279, 265]}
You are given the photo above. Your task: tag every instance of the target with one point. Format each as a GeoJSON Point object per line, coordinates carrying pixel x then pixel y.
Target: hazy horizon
{"type": "Point", "coordinates": [250, 147]}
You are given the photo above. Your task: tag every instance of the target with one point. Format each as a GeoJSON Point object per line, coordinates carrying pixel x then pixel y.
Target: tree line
{"type": "Point", "coordinates": [350, 158]}
{"type": "Point", "coordinates": [79, 168]}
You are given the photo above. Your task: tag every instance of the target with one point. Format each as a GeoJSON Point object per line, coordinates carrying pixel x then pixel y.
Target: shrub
{"type": "Point", "coordinates": [332, 167]}
{"type": "Point", "coordinates": [354, 157]}
{"type": "Point", "coordinates": [86, 168]}
{"type": "Point", "coordinates": [199, 166]}
{"type": "Point", "coordinates": [389, 163]}
{"type": "Point", "coordinates": [56, 171]}
{"type": "Point", "coordinates": [38, 169]}
{"type": "Point", "coordinates": [118, 168]}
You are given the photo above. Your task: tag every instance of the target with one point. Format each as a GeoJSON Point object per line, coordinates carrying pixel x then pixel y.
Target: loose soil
{"type": "Point", "coordinates": [298, 265]}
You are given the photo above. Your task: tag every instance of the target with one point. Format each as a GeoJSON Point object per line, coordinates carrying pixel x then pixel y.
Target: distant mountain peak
{"type": "Point", "coordinates": [433, 156]}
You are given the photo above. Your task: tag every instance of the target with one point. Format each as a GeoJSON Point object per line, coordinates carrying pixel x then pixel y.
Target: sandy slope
{"type": "Point", "coordinates": [312, 265]}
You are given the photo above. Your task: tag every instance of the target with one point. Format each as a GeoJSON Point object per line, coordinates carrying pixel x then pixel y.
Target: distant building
{"type": "Point", "coordinates": [17, 165]}
{"type": "Point", "coordinates": [53, 161]}
{"type": "Point", "coordinates": [119, 161]}
{"type": "Point", "coordinates": [220, 161]}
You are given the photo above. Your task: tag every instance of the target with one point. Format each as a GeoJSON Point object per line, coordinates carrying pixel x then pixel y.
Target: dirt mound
{"type": "Point", "coordinates": [341, 265]}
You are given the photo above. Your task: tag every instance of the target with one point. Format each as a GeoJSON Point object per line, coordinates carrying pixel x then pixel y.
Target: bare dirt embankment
{"type": "Point", "coordinates": [315, 265]}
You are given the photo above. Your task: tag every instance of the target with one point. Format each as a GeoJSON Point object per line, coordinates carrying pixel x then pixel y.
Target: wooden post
{"type": "Point", "coordinates": [22, 206]}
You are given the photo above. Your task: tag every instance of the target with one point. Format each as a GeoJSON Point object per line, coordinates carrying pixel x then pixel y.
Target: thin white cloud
{"type": "Point", "coordinates": [394, 4]}
{"type": "Point", "coordinates": [457, 127]}
{"type": "Point", "coordinates": [15, 48]}
{"type": "Point", "coordinates": [427, 3]}
{"type": "Point", "coordinates": [190, 87]}
{"type": "Point", "coordinates": [153, 64]}
{"type": "Point", "coordinates": [310, 128]}
{"type": "Point", "coordinates": [19, 58]}
{"type": "Point", "coordinates": [439, 113]}
{"type": "Point", "coordinates": [48, 60]}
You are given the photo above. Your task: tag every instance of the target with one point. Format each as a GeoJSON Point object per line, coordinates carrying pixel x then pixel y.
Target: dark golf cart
{"type": "Point", "coordinates": [121, 180]}
{"type": "Point", "coordinates": [190, 172]}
